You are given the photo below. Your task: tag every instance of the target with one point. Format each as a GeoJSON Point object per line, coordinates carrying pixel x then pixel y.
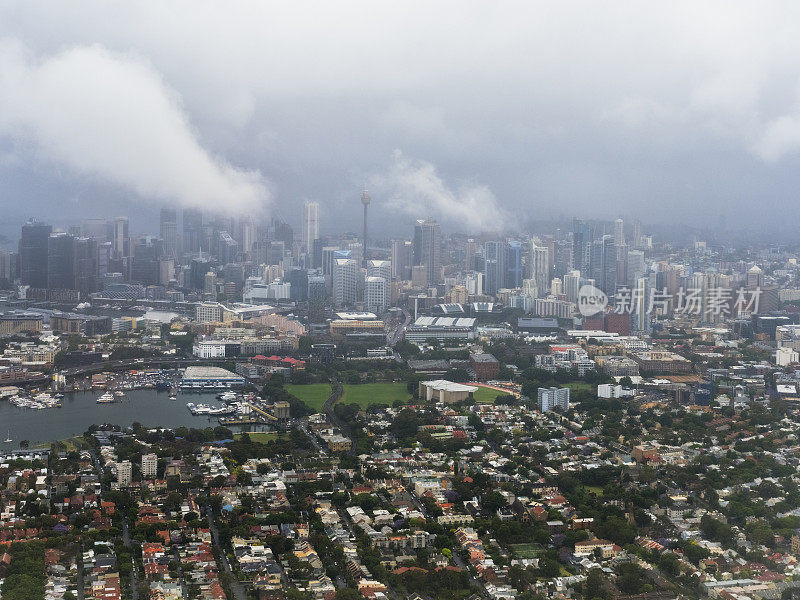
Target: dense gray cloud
{"type": "Point", "coordinates": [112, 117]}
{"type": "Point", "coordinates": [682, 111]}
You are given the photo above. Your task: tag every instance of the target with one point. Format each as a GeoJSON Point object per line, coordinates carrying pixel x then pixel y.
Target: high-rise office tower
{"type": "Point", "coordinates": [365, 200]}
{"type": "Point", "coordinates": [637, 234]}
{"type": "Point", "coordinates": [470, 252]}
{"type": "Point", "coordinates": [227, 248]}
{"type": "Point", "coordinates": [5, 267]}
{"type": "Point", "coordinates": [310, 225]}
{"type": "Point", "coordinates": [494, 266]}
{"type": "Point", "coordinates": [245, 233]}
{"type": "Point", "coordinates": [639, 301]}
{"type": "Point", "coordinates": [636, 267]}
{"type": "Point", "coordinates": [380, 269]}
{"type": "Point", "coordinates": [755, 277]}
{"type": "Point", "coordinates": [95, 228]}
{"type": "Point", "coordinates": [513, 264]}
{"type": "Point", "coordinates": [345, 281]}
{"type": "Point", "coordinates": [582, 238]}
{"type": "Point", "coordinates": [619, 232]}
{"type": "Point", "coordinates": [145, 267]}
{"type": "Point", "coordinates": [192, 231]}
{"type": "Point", "coordinates": [86, 265]}
{"type": "Point", "coordinates": [282, 232]}
{"type": "Point", "coordinates": [539, 262]}
{"type": "Point", "coordinates": [119, 236]}
{"type": "Point", "coordinates": [357, 253]}
{"type": "Point", "coordinates": [428, 248]}
{"type": "Point", "coordinates": [572, 283]}
{"type": "Point", "coordinates": [376, 297]}
{"type": "Point", "coordinates": [298, 280]}
{"type": "Point", "coordinates": [61, 262]}
{"type": "Point", "coordinates": [402, 259]}
{"type": "Point", "coordinates": [103, 258]}
{"type": "Point", "coordinates": [33, 246]}
{"type": "Point", "coordinates": [604, 264]}
{"type": "Point", "coordinates": [168, 230]}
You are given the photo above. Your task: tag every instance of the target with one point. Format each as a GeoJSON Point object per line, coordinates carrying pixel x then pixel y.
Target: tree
{"type": "Point", "coordinates": [493, 501]}
{"type": "Point", "coordinates": [594, 586]}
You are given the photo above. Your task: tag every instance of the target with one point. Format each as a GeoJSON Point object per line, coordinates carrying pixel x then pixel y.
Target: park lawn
{"type": "Point", "coordinates": [486, 395]}
{"type": "Point", "coordinates": [598, 490]}
{"type": "Point", "coordinates": [67, 445]}
{"type": "Point", "coordinates": [366, 394]}
{"type": "Point", "coordinates": [579, 385]}
{"type": "Point", "coordinates": [313, 395]}
{"type": "Point", "coordinates": [262, 437]}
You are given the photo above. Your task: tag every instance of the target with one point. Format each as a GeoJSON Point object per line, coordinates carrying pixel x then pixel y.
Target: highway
{"type": "Point", "coordinates": [397, 334]}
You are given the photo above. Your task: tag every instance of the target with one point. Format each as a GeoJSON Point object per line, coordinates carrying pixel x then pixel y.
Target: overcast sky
{"type": "Point", "coordinates": [484, 115]}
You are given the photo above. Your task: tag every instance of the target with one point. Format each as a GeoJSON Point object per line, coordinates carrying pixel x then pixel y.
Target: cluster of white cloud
{"type": "Point", "coordinates": [415, 187]}
{"type": "Point", "coordinates": [112, 117]}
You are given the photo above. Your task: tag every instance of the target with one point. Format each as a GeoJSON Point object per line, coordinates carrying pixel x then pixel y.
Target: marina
{"type": "Point", "coordinates": [150, 407]}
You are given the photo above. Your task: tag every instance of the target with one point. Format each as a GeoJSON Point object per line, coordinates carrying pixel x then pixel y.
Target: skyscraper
{"type": "Point", "coordinates": [345, 281]}
{"type": "Point", "coordinates": [494, 267]}
{"type": "Point", "coordinates": [86, 265]}
{"type": "Point", "coordinates": [169, 232]}
{"type": "Point", "coordinates": [513, 264]}
{"type": "Point", "coordinates": [245, 233]}
{"type": "Point", "coordinates": [33, 246]}
{"type": "Point", "coordinates": [376, 297]}
{"type": "Point", "coordinates": [61, 262]}
{"type": "Point", "coordinates": [582, 238]}
{"type": "Point", "coordinates": [402, 259]}
{"type": "Point", "coordinates": [604, 264]}
{"type": "Point", "coordinates": [636, 266]}
{"type": "Point", "coordinates": [619, 232]}
{"type": "Point", "coordinates": [365, 200]}
{"type": "Point", "coordinates": [428, 248]}
{"type": "Point", "coordinates": [539, 261]}
{"type": "Point", "coordinates": [119, 236]}
{"type": "Point", "coordinates": [310, 225]}
{"type": "Point", "coordinates": [637, 234]}
{"type": "Point", "coordinates": [192, 230]}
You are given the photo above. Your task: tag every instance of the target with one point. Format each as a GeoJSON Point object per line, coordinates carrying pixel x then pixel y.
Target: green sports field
{"type": "Point", "coordinates": [366, 394]}
{"type": "Point", "coordinates": [312, 394]}
{"type": "Point", "coordinates": [486, 395]}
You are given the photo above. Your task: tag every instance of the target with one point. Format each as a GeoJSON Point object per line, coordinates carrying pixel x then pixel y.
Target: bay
{"type": "Point", "coordinates": [79, 410]}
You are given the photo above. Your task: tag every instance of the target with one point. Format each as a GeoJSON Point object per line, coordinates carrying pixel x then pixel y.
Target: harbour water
{"type": "Point", "coordinates": [79, 410]}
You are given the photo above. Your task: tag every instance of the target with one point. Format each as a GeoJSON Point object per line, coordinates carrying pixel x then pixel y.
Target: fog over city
{"type": "Point", "coordinates": [486, 116]}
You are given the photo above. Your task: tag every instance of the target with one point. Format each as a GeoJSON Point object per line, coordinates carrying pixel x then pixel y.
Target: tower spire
{"type": "Point", "coordinates": [365, 200]}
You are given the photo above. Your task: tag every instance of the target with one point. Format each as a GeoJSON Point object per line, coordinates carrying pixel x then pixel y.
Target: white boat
{"type": "Point", "coordinates": [8, 440]}
{"type": "Point", "coordinates": [106, 398]}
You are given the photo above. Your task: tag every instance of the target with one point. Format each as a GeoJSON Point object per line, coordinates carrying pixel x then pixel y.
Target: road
{"type": "Point", "coordinates": [334, 418]}
{"type": "Point", "coordinates": [395, 336]}
{"type": "Point", "coordinates": [126, 539]}
{"type": "Point", "coordinates": [184, 588]}
{"type": "Point", "coordinates": [79, 566]}
{"type": "Point", "coordinates": [236, 586]}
